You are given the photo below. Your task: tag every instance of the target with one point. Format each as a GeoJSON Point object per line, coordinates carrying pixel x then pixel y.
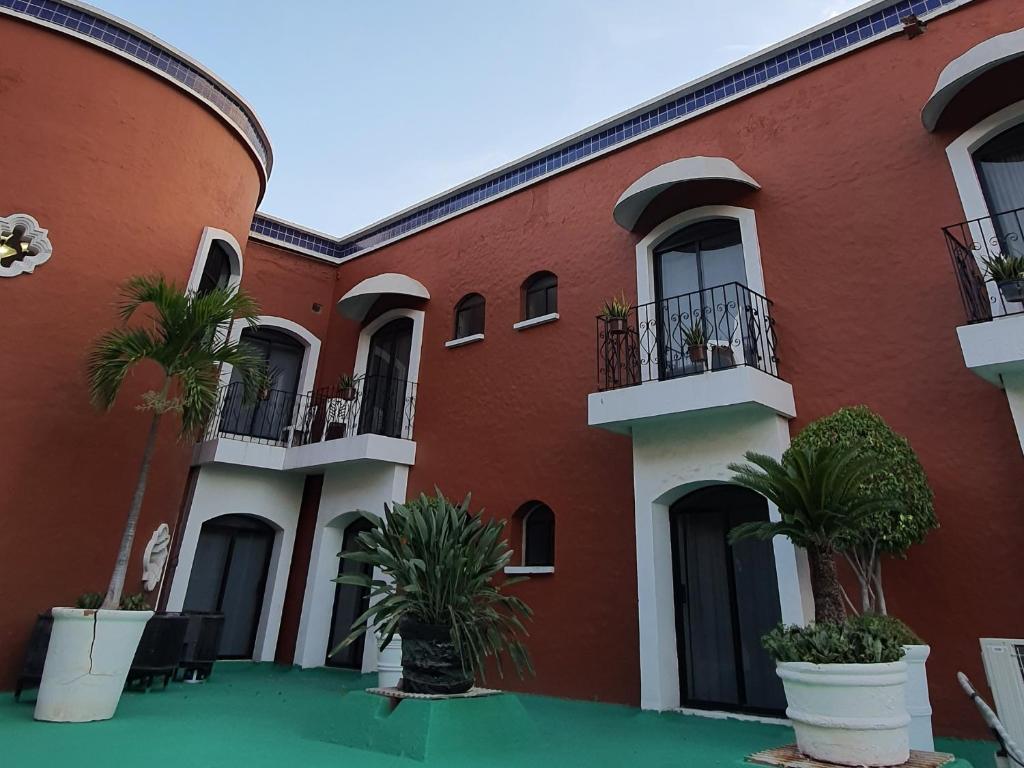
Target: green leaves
{"type": "Point", "coordinates": [852, 642]}
{"type": "Point", "coordinates": [818, 492]}
{"type": "Point", "coordinates": [439, 561]}
{"type": "Point", "coordinates": [895, 473]}
{"type": "Point", "coordinates": [186, 336]}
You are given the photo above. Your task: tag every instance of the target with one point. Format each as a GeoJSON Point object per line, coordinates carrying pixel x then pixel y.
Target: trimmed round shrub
{"type": "Point", "coordinates": [899, 475]}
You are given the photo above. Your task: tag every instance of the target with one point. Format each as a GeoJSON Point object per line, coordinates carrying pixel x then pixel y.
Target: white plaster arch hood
{"type": "Point", "coordinates": [686, 170]}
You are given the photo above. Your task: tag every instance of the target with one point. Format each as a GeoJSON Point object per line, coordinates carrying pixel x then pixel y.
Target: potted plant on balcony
{"type": "Point", "coordinates": [845, 685]}
{"type": "Point", "coordinates": [616, 315]}
{"type": "Point", "coordinates": [91, 649]}
{"type": "Point", "coordinates": [347, 387]}
{"type": "Point", "coordinates": [1007, 271]}
{"type": "Point", "coordinates": [890, 530]}
{"type": "Point", "coordinates": [695, 337]}
{"type": "Point", "coordinates": [439, 562]}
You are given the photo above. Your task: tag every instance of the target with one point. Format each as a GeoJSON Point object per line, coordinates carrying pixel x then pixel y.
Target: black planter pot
{"type": "Point", "coordinates": [1012, 290]}
{"type": "Point", "coordinates": [430, 663]}
{"type": "Point", "coordinates": [160, 649]}
{"type": "Point", "coordinates": [35, 655]}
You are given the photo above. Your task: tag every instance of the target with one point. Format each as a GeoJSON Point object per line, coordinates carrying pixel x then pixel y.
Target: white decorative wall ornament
{"type": "Point", "coordinates": [155, 556]}
{"type": "Point", "coordinates": [23, 244]}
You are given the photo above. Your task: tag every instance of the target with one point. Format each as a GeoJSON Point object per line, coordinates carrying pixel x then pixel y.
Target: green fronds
{"type": "Point", "coordinates": [187, 336]}
{"type": "Point", "coordinates": [441, 561]}
{"type": "Point", "coordinates": [818, 493]}
{"type": "Point", "coordinates": [895, 473]}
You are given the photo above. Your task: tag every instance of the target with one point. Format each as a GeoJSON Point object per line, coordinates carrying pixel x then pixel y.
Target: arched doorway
{"type": "Point", "coordinates": [271, 413]}
{"type": "Point", "coordinates": [386, 380]}
{"type": "Point", "coordinates": [229, 576]}
{"type": "Point", "coordinates": [726, 597]}
{"type": "Point", "coordinates": [349, 603]}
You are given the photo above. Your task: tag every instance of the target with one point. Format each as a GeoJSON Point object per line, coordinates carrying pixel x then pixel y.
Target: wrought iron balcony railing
{"type": "Point", "coordinates": [717, 328]}
{"type": "Point", "coordinates": [973, 245]}
{"type": "Point", "coordinates": [378, 405]}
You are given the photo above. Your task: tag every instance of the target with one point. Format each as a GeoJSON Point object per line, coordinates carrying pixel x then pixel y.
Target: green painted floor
{"type": "Point", "coordinates": [256, 715]}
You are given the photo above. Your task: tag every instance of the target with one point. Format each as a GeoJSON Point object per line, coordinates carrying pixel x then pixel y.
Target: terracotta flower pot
{"type": "Point", "coordinates": [348, 394]}
{"type": "Point", "coordinates": [698, 353]}
{"type": "Point", "coordinates": [615, 325]}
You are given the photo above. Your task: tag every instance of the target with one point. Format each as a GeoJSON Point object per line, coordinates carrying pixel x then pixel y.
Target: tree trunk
{"type": "Point", "coordinates": [124, 552]}
{"type": "Point", "coordinates": [879, 594]}
{"type": "Point", "coordinates": [828, 596]}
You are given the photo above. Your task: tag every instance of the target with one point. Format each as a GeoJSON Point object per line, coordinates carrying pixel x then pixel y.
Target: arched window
{"type": "Point", "coordinates": [540, 295]}
{"type": "Point", "coordinates": [538, 522]}
{"type": "Point", "coordinates": [218, 263]}
{"type": "Point", "coordinates": [217, 270]}
{"type": "Point", "coordinates": [469, 316]}
{"type": "Point", "coordinates": [1000, 164]}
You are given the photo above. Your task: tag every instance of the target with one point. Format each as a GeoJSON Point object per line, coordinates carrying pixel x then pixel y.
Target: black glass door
{"type": "Point", "coordinates": [350, 602]}
{"type": "Point", "coordinates": [271, 413]}
{"type": "Point", "coordinates": [382, 410]}
{"type": "Point", "coordinates": [726, 598]}
{"type": "Point", "coordinates": [1000, 164]}
{"type": "Point", "coordinates": [229, 576]}
{"type": "Point", "coordinates": [697, 272]}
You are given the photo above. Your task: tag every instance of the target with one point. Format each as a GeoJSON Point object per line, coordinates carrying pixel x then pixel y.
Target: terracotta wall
{"type": "Point", "coordinates": [854, 195]}
{"type": "Point", "coordinates": [124, 170]}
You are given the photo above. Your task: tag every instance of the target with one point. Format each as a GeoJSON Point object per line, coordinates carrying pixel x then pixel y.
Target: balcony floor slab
{"type": "Point", "coordinates": [619, 409]}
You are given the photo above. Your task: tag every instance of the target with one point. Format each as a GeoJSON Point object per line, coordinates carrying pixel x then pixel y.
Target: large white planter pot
{"type": "Point", "coordinates": [918, 704]}
{"type": "Point", "coordinates": [851, 714]}
{"type": "Point", "coordinates": [389, 664]}
{"type": "Point", "coordinates": [87, 663]}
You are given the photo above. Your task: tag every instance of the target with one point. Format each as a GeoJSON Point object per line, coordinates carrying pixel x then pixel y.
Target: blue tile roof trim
{"type": "Point", "coordinates": [106, 30]}
{"type": "Point", "coordinates": [603, 137]}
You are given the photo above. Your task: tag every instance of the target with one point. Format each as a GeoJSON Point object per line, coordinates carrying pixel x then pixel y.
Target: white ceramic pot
{"type": "Point", "coordinates": [87, 663]}
{"type": "Point", "coordinates": [918, 704]}
{"type": "Point", "coordinates": [389, 664]}
{"type": "Point", "coordinates": [850, 714]}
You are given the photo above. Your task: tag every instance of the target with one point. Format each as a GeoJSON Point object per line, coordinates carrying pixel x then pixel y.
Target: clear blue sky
{"type": "Point", "coordinates": [374, 105]}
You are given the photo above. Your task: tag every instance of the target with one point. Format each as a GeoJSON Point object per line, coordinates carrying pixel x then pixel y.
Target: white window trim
{"type": "Point", "coordinates": [310, 360]}
{"type": "Point", "coordinates": [522, 325]}
{"type": "Point", "coordinates": [464, 340]}
{"type": "Point", "coordinates": [528, 570]}
{"type": "Point", "coordinates": [203, 251]}
{"type": "Point", "coordinates": [645, 293]}
{"type": "Point", "coordinates": [363, 348]}
{"type": "Point", "coordinates": [961, 156]}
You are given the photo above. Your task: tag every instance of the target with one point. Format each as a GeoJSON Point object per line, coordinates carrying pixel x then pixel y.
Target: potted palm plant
{"type": "Point", "coordinates": [347, 387]}
{"type": "Point", "coordinates": [695, 337]}
{"type": "Point", "coordinates": [439, 562]}
{"type": "Point", "coordinates": [91, 649]}
{"type": "Point", "coordinates": [1007, 271]}
{"type": "Point", "coordinates": [616, 315]}
{"type": "Point", "coordinates": [845, 687]}
{"type": "Point", "coordinates": [889, 531]}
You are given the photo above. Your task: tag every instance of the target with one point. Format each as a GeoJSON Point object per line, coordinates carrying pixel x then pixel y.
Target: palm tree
{"type": "Point", "coordinates": [187, 338]}
{"type": "Point", "coordinates": [821, 504]}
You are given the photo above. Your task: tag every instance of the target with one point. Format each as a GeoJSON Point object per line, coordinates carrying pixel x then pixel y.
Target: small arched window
{"type": "Point", "coordinates": [538, 523]}
{"type": "Point", "coordinates": [540, 295]}
{"type": "Point", "coordinates": [469, 316]}
{"type": "Point", "coordinates": [217, 270]}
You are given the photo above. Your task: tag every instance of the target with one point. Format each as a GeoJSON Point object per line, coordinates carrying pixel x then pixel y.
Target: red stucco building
{"type": "Point", "coordinates": [804, 204]}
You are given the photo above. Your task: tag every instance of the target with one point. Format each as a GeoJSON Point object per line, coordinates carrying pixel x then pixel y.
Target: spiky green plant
{"type": "Point", "coordinates": [186, 336]}
{"type": "Point", "coordinates": [819, 495]}
{"type": "Point", "coordinates": [440, 561]}
{"type": "Point", "coordinates": [695, 334]}
{"type": "Point", "coordinates": [1004, 268]}
{"type": "Point", "coordinates": [617, 308]}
